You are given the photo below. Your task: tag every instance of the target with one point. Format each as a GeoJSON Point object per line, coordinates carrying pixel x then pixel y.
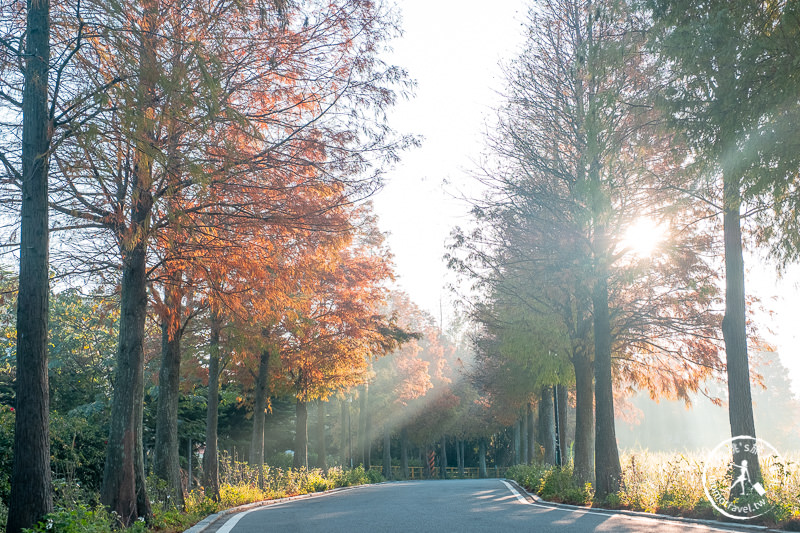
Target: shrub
{"type": "Point", "coordinates": [315, 481]}
{"type": "Point", "coordinates": [551, 483]}
{"type": "Point", "coordinates": [234, 495]}
{"type": "Point", "coordinates": [529, 476]}
{"type": "Point", "coordinates": [3, 515]}
{"type": "Point", "coordinates": [6, 452]}
{"type": "Point", "coordinates": [82, 519]}
{"type": "Point", "coordinates": [669, 484]}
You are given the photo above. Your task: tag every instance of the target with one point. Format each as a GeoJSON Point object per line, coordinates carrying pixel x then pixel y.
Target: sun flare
{"type": "Point", "coordinates": [643, 237]}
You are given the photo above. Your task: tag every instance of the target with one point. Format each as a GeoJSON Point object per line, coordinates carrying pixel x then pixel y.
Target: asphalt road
{"type": "Point", "coordinates": [460, 506]}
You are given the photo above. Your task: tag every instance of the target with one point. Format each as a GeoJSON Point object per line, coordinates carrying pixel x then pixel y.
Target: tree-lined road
{"type": "Point", "coordinates": [438, 506]}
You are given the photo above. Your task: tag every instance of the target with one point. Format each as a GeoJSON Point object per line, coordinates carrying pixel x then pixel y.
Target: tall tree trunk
{"type": "Point", "coordinates": [123, 488]}
{"type": "Point", "coordinates": [443, 461]}
{"type": "Point", "coordinates": [301, 436]}
{"type": "Point", "coordinates": [482, 458]}
{"type": "Point", "coordinates": [563, 422]}
{"type": "Point", "coordinates": [547, 430]}
{"type": "Point", "coordinates": [142, 500]}
{"type": "Point", "coordinates": [345, 440]}
{"type": "Point", "coordinates": [531, 433]}
{"type": "Point", "coordinates": [369, 434]}
{"type": "Point", "coordinates": [517, 442]}
{"type": "Point", "coordinates": [211, 455]}
{"type": "Point", "coordinates": [734, 328]}
{"type": "Point", "coordinates": [404, 452]}
{"type": "Point", "coordinates": [461, 458]}
{"type": "Point", "coordinates": [387, 452]}
{"type": "Point", "coordinates": [608, 471]}
{"type": "Point", "coordinates": [362, 425]}
{"type": "Point", "coordinates": [524, 436]}
{"type": "Point", "coordinates": [563, 408]}
{"type": "Point", "coordinates": [583, 470]}
{"type": "Point", "coordinates": [119, 491]}
{"type": "Point", "coordinates": [322, 449]}
{"type": "Point", "coordinates": [166, 462]}
{"type": "Point", "coordinates": [259, 408]}
{"type": "Point", "coordinates": [31, 487]}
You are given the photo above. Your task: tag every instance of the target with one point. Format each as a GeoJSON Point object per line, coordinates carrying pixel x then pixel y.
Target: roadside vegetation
{"type": "Point", "coordinates": [191, 271]}
{"type": "Point", "coordinates": [663, 483]}
{"type": "Point", "coordinates": [77, 509]}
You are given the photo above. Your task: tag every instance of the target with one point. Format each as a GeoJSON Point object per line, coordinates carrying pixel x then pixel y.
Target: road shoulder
{"type": "Point", "coordinates": [214, 522]}
{"type": "Point", "coordinates": [533, 499]}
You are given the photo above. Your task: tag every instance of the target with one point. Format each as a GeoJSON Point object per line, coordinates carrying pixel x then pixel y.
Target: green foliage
{"type": "Point", "coordinates": [83, 340]}
{"type": "Point", "coordinates": [3, 515]}
{"type": "Point", "coordinates": [278, 483]}
{"type": "Point", "coordinates": [77, 450]}
{"type": "Point", "coordinates": [8, 335]}
{"type": "Point", "coordinates": [356, 476]}
{"type": "Point", "coordinates": [77, 445]}
{"type": "Point", "coordinates": [612, 501]}
{"type": "Point", "coordinates": [559, 484]}
{"type": "Point", "coordinates": [667, 484]}
{"type": "Point", "coordinates": [82, 519]}
{"type": "Point", "coordinates": [551, 483]}
{"type": "Point", "coordinates": [6, 453]}
{"type": "Point", "coordinates": [529, 476]}
{"type": "Point", "coordinates": [78, 509]}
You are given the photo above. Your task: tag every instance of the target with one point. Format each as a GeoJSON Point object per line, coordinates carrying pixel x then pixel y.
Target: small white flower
{"type": "Point", "coordinates": [49, 523]}
{"type": "Point", "coordinates": [140, 519]}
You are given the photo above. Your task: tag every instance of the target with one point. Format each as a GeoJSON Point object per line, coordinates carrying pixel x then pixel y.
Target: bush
{"type": "Point", "coordinates": [6, 453]}
{"type": "Point", "coordinates": [278, 483]}
{"type": "Point", "coordinates": [3, 516]}
{"type": "Point", "coordinates": [551, 483]}
{"type": "Point", "coordinates": [315, 481]}
{"type": "Point", "coordinates": [529, 476]}
{"type": "Point", "coordinates": [668, 484]}
{"type": "Point", "coordinates": [81, 519]}
{"type": "Point", "coordinates": [78, 444]}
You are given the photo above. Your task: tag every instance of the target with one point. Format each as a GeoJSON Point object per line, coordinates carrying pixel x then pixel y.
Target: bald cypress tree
{"type": "Point", "coordinates": [725, 94]}
{"type": "Point", "coordinates": [31, 490]}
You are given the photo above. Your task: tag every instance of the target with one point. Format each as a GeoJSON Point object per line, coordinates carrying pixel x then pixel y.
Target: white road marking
{"type": "Point", "coordinates": [522, 499]}
{"type": "Point", "coordinates": [228, 526]}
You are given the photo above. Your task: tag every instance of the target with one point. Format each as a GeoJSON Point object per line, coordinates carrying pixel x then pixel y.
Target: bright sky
{"type": "Point", "coordinates": [453, 49]}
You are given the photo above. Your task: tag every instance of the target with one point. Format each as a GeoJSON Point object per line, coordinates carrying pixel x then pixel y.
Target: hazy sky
{"type": "Point", "coordinates": [453, 48]}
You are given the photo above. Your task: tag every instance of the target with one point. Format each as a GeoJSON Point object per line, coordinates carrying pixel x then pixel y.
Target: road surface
{"type": "Point", "coordinates": [461, 506]}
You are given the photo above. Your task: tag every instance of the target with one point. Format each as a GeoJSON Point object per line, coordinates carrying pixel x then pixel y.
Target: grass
{"type": "Point", "coordinates": [668, 484]}
{"type": "Point", "coordinates": [651, 482]}
{"type": "Point", "coordinates": [78, 511]}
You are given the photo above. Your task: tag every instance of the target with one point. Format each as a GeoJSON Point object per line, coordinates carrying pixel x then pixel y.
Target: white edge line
{"type": "Point", "coordinates": [522, 499]}
{"type": "Point", "coordinates": [228, 525]}
{"type": "Point", "coordinates": [514, 492]}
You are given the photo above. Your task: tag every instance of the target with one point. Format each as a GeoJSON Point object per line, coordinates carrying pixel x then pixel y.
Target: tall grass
{"type": "Point", "coordinates": [669, 484]}
{"type": "Point", "coordinates": [79, 512]}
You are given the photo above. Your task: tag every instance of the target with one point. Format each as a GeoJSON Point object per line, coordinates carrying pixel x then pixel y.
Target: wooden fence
{"type": "Point", "coordinates": [418, 472]}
